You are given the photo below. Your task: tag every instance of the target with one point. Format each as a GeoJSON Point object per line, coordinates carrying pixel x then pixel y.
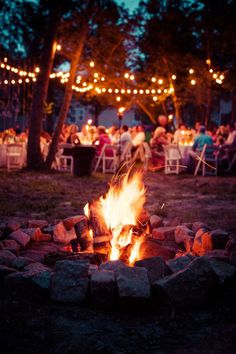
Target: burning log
{"type": "Point", "coordinates": [84, 235]}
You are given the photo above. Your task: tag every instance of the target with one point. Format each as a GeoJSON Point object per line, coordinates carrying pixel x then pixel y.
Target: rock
{"type": "Point", "coordinates": [42, 279]}
{"type": "Point", "coordinates": [156, 221]}
{"type": "Point", "coordinates": [112, 265]}
{"type": "Point", "coordinates": [37, 235]}
{"type": "Point", "coordinates": [164, 233]}
{"type": "Point", "coordinates": [181, 233]}
{"type": "Point", "coordinates": [151, 248]}
{"type": "Point", "coordinates": [233, 258]}
{"type": "Point", "coordinates": [133, 285]}
{"type": "Point", "coordinates": [21, 237]}
{"type": "Point", "coordinates": [29, 280]}
{"type": "Point", "coordinates": [37, 223]}
{"type": "Point", "coordinates": [36, 256]}
{"type": "Point", "coordinates": [20, 262]}
{"type": "Point", "coordinates": [4, 271]}
{"type": "Point", "coordinates": [188, 287]}
{"type": "Point", "coordinates": [218, 255]}
{"type": "Point", "coordinates": [71, 221]}
{"type": "Point", "coordinates": [70, 281]}
{"type": "Point", "coordinates": [6, 258]}
{"type": "Point", "coordinates": [93, 268]}
{"type": "Point", "coordinates": [188, 243]}
{"type": "Point", "coordinates": [224, 272]}
{"type": "Point", "coordinates": [208, 241]}
{"type": "Point", "coordinates": [155, 266]}
{"type": "Point", "coordinates": [103, 289]}
{"type": "Point", "coordinates": [63, 235]}
{"type": "Point", "coordinates": [36, 267]}
{"type": "Point", "coordinates": [179, 263]}
{"type": "Point", "coordinates": [174, 222]}
{"type": "Point", "coordinates": [10, 245]}
{"type": "Point", "coordinates": [197, 225]}
{"type": "Point", "coordinates": [11, 227]}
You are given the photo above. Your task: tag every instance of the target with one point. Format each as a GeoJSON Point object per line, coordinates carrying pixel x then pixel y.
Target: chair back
{"type": "Point", "coordinates": [172, 151]}
{"type": "Point", "coordinates": [14, 149]}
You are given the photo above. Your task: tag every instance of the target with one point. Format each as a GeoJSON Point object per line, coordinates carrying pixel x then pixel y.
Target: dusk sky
{"type": "Point", "coordinates": [131, 4]}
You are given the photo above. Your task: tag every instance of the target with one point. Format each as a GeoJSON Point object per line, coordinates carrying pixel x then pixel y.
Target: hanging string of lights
{"type": "Point", "coordinates": [96, 81]}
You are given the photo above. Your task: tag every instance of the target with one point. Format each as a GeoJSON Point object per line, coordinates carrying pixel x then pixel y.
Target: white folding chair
{"type": "Point", "coordinates": [172, 158]}
{"type": "Point", "coordinates": [64, 163]}
{"type": "Point", "coordinates": [15, 156]}
{"type": "Point", "coordinates": [209, 161]}
{"type": "Point", "coordinates": [147, 155]}
{"type": "Point", "coordinates": [126, 156]}
{"type": "Point", "coordinates": [108, 159]}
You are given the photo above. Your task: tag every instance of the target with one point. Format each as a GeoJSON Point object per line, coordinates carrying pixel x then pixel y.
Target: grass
{"type": "Point", "coordinates": [58, 195]}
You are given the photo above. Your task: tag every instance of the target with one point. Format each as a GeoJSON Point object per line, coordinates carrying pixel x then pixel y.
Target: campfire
{"type": "Point", "coordinates": [115, 218]}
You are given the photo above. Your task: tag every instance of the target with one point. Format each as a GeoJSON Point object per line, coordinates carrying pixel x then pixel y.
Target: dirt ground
{"type": "Point", "coordinates": [36, 325]}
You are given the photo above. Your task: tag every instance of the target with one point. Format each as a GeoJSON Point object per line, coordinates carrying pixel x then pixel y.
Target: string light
{"type": "Point", "coordinates": [160, 81]}
{"type": "Point", "coordinates": [191, 71]}
{"type": "Point", "coordinates": [193, 82]}
{"type": "Point", "coordinates": [173, 77]}
{"type": "Point", "coordinates": [92, 64]}
{"type": "Point", "coordinates": [58, 47]}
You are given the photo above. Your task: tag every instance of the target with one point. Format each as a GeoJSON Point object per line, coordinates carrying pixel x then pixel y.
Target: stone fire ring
{"type": "Point", "coordinates": [181, 264]}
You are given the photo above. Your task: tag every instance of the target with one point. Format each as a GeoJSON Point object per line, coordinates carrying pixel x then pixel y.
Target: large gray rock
{"type": "Point", "coordinates": [133, 285]}
{"type": "Point", "coordinates": [208, 241]}
{"type": "Point", "coordinates": [10, 245]}
{"type": "Point", "coordinates": [151, 248]}
{"type": "Point", "coordinates": [188, 287]}
{"type": "Point", "coordinates": [20, 262]}
{"type": "Point", "coordinates": [6, 258]}
{"type": "Point", "coordinates": [224, 272]}
{"type": "Point", "coordinates": [179, 263]}
{"type": "Point", "coordinates": [112, 265]}
{"type": "Point", "coordinates": [156, 221]}
{"type": "Point", "coordinates": [70, 281]}
{"type": "Point", "coordinates": [21, 237]}
{"type": "Point", "coordinates": [181, 233]}
{"type": "Point", "coordinates": [164, 233]}
{"type": "Point", "coordinates": [155, 266]}
{"type": "Point", "coordinates": [31, 279]}
{"type": "Point", "coordinates": [63, 235]}
{"type": "Point", "coordinates": [103, 289]}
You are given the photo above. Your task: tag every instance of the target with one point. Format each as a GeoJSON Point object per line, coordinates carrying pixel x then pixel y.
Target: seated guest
{"type": "Point", "coordinates": [112, 132]}
{"type": "Point", "coordinates": [73, 131]}
{"type": "Point", "coordinates": [202, 139]}
{"type": "Point", "coordinates": [231, 138]}
{"type": "Point", "coordinates": [125, 137]}
{"type": "Point", "coordinates": [157, 143]}
{"type": "Point", "coordinates": [179, 133]}
{"type": "Point", "coordinates": [102, 139]}
{"type": "Point", "coordinates": [139, 137]}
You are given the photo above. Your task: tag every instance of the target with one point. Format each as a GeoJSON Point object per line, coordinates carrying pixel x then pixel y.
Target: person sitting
{"type": "Point", "coordinates": [157, 143]}
{"type": "Point", "coordinates": [102, 139]}
{"type": "Point", "coordinates": [125, 137]}
{"type": "Point", "coordinates": [179, 133]}
{"type": "Point", "coordinates": [231, 138]}
{"type": "Point", "coordinates": [199, 142]}
{"type": "Point", "coordinates": [202, 139]}
{"type": "Point", "coordinates": [113, 134]}
{"type": "Point", "coordinates": [139, 137]}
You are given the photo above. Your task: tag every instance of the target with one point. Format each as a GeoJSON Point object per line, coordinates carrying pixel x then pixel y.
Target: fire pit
{"type": "Point", "coordinates": [116, 254]}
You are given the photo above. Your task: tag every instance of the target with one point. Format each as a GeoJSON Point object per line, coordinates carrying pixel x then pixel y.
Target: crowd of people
{"type": "Point", "coordinates": [223, 137]}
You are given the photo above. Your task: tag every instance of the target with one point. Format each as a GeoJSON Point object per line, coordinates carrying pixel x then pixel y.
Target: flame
{"type": "Point", "coordinates": [134, 254]}
{"type": "Point", "coordinates": [120, 208]}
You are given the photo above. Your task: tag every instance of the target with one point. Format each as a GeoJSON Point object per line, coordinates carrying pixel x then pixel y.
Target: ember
{"type": "Point", "coordinates": [119, 211]}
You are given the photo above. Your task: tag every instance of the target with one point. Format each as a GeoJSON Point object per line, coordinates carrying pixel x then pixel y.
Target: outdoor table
{"type": "Point", "coordinates": [83, 158]}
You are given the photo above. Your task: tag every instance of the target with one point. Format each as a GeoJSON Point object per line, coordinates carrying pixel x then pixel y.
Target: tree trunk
{"type": "Point", "coordinates": [68, 91]}
{"type": "Point", "coordinates": [34, 156]}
